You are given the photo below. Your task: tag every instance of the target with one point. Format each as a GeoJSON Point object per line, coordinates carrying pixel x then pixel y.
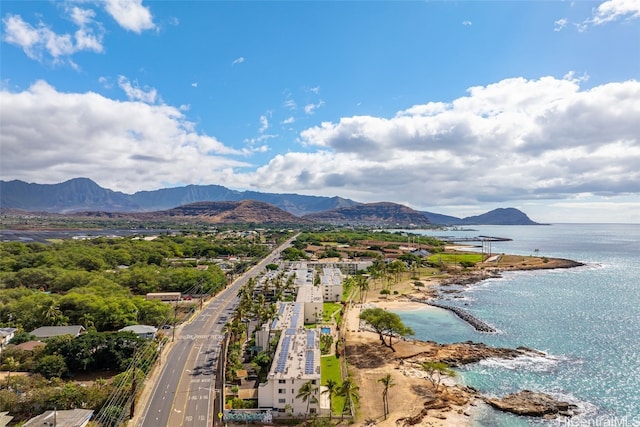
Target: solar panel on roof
{"type": "Point", "coordinates": [311, 337]}
{"type": "Point", "coordinates": [284, 352]}
{"type": "Point", "coordinates": [309, 364]}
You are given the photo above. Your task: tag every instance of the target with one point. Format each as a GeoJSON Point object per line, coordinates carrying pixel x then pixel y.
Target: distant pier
{"type": "Point", "coordinates": [477, 324]}
{"type": "Point", "coordinates": [475, 239]}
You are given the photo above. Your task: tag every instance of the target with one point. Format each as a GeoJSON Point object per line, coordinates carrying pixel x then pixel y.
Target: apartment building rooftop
{"type": "Point", "coordinates": [289, 316]}
{"type": "Point", "coordinates": [309, 294]}
{"type": "Point", "coordinates": [297, 355]}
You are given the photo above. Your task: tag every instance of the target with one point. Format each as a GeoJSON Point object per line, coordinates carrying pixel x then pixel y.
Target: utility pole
{"type": "Point", "coordinates": [133, 385]}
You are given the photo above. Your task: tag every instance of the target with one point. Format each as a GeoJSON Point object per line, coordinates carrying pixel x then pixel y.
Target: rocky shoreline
{"type": "Point", "coordinates": [450, 403]}
{"type": "Point", "coordinates": [533, 404]}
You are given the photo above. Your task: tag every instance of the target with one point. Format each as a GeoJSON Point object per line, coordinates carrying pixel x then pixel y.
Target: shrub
{"type": "Point", "coordinates": [385, 292]}
{"type": "Point", "coordinates": [418, 284]}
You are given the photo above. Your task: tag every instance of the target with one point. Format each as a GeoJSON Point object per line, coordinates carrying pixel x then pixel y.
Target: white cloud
{"type": "Point", "coordinates": [311, 108]}
{"type": "Point", "coordinates": [289, 120]}
{"type": "Point", "coordinates": [130, 14]}
{"type": "Point", "coordinates": [560, 24]}
{"type": "Point", "coordinates": [612, 10]}
{"type": "Point", "coordinates": [290, 104]}
{"type": "Point", "coordinates": [264, 124]}
{"type": "Point", "coordinates": [41, 43]}
{"type": "Point", "coordinates": [253, 144]}
{"type": "Point", "coordinates": [134, 93]}
{"type": "Point", "coordinates": [512, 140]}
{"type": "Point", "coordinates": [82, 17]}
{"type": "Point", "coordinates": [50, 136]}
{"type": "Point", "coordinates": [239, 60]}
{"type": "Point", "coordinates": [516, 142]}
{"type": "Point", "coordinates": [467, 23]}
{"type": "Point", "coordinates": [194, 84]}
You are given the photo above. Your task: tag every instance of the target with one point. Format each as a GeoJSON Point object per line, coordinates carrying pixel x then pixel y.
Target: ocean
{"type": "Point", "coordinates": [586, 319]}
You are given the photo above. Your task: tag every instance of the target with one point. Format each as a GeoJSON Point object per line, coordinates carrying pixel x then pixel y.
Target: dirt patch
{"type": "Point", "coordinates": [412, 399]}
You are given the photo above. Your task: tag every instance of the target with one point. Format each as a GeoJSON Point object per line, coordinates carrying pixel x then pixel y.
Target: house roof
{"type": "Point", "coordinates": [67, 418]}
{"type": "Point", "coordinates": [29, 345]}
{"type": "Point", "coordinates": [248, 393]}
{"type": "Point", "coordinates": [56, 331]}
{"type": "Point", "coordinates": [140, 329]}
{"type": "Point", "coordinates": [6, 331]}
{"type": "Point", "coordinates": [5, 418]}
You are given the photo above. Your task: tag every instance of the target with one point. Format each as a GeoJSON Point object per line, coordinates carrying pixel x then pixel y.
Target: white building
{"type": "Point", "coordinates": [311, 298]}
{"type": "Point", "coordinates": [296, 362]}
{"type": "Point", "coordinates": [289, 316]}
{"type": "Point", "coordinates": [331, 280]}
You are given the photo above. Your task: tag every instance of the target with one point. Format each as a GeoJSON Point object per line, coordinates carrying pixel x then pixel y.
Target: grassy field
{"type": "Point", "coordinates": [328, 308]}
{"type": "Point", "coordinates": [330, 369]}
{"type": "Point", "coordinates": [455, 258]}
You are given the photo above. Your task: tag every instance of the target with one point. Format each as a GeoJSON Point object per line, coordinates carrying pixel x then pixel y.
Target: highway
{"type": "Point", "coordinates": [185, 390]}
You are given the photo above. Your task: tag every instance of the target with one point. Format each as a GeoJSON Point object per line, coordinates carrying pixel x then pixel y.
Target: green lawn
{"type": "Point", "coordinates": [328, 308]}
{"type": "Point", "coordinates": [455, 258]}
{"type": "Point", "coordinates": [330, 369]}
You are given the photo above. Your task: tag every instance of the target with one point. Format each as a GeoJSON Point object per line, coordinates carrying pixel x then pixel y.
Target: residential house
{"type": "Point", "coordinates": [6, 334]}
{"type": "Point", "coordinates": [143, 331]}
{"type": "Point", "coordinates": [30, 345]}
{"type": "Point", "coordinates": [45, 332]}
{"type": "Point", "coordinates": [66, 418]}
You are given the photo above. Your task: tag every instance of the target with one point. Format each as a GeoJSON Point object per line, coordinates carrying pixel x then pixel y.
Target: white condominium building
{"type": "Point", "coordinates": [331, 283]}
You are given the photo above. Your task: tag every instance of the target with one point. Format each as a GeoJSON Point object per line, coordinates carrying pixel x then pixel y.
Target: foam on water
{"type": "Point", "coordinates": [530, 362]}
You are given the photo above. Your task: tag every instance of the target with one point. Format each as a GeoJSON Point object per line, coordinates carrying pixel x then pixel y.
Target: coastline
{"type": "Point", "coordinates": [461, 402]}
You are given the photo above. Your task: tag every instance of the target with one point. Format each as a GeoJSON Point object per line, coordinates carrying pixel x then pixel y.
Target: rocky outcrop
{"type": "Point", "coordinates": [464, 353]}
{"type": "Point", "coordinates": [533, 404]}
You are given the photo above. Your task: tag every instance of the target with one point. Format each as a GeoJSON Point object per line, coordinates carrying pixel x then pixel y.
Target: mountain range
{"type": "Point", "coordinates": [83, 197]}
{"type": "Point", "coordinates": [83, 194]}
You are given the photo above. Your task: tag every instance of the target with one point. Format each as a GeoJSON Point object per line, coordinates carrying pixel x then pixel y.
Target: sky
{"type": "Point", "coordinates": [454, 107]}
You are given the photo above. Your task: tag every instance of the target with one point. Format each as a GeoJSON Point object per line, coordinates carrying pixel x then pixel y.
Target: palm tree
{"type": "Point", "coordinates": [350, 391]}
{"type": "Point", "coordinates": [306, 393]}
{"type": "Point", "coordinates": [396, 268]}
{"type": "Point", "coordinates": [332, 390]}
{"type": "Point", "coordinates": [387, 381]}
{"type": "Point", "coordinates": [52, 315]}
{"type": "Point", "coordinates": [363, 285]}
{"type": "Point", "coordinates": [376, 270]}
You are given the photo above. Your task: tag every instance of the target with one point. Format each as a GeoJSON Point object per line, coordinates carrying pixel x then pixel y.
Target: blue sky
{"type": "Point", "coordinates": [456, 107]}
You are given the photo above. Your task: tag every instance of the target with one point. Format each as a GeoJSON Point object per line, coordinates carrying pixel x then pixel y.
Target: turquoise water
{"type": "Point", "coordinates": [586, 319]}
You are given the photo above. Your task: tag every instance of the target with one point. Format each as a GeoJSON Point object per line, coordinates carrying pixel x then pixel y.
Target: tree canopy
{"type": "Point", "coordinates": [386, 325]}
